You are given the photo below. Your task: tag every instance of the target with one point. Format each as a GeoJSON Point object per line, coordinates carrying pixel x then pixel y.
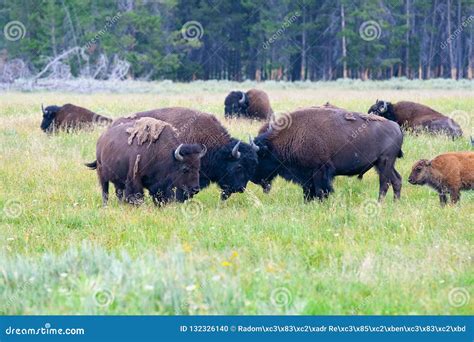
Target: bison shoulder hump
{"type": "Point", "coordinates": [146, 129]}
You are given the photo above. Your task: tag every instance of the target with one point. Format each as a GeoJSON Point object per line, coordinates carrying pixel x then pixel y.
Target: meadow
{"type": "Point", "coordinates": [61, 252]}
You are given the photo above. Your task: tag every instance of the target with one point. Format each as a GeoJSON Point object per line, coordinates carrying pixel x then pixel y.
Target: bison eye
{"type": "Point", "coordinates": [185, 169]}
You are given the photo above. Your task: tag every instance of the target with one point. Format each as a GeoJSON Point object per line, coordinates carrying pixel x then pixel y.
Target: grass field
{"type": "Point", "coordinates": [62, 253]}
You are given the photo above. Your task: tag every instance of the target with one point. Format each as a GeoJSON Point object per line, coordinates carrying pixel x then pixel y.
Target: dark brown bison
{"type": "Point", "coordinates": [447, 173]}
{"type": "Point", "coordinates": [254, 104]}
{"type": "Point", "coordinates": [417, 117]}
{"type": "Point", "coordinates": [69, 117]}
{"type": "Point", "coordinates": [147, 154]}
{"type": "Point", "coordinates": [311, 146]}
{"type": "Point", "coordinates": [229, 162]}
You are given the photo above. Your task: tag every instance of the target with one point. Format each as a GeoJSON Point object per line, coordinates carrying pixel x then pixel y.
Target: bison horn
{"type": "Point", "coordinates": [252, 143]}
{"type": "Point", "coordinates": [384, 106]}
{"type": "Point", "coordinates": [42, 109]}
{"type": "Point", "coordinates": [177, 153]}
{"type": "Point", "coordinates": [235, 151]}
{"type": "Point", "coordinates": [242, 100]}
{"type": "Point", "coordinates": [203, 151]}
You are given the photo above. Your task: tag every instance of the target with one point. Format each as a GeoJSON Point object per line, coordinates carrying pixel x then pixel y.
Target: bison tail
{"type": "Point", "coordinates": [92, 165]}
{"type": "Point", "coordinates": [400, 154]}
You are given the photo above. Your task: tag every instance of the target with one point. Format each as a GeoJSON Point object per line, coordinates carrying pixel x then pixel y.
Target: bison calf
{"type": "Point", "coordinates": [253, 104]}
{"type": "Point", "coordinates": [69, 117]}
{"type": "Point", "coordinates": [146, 153]}
{"type": "Point", "coordinates": [447, 173]}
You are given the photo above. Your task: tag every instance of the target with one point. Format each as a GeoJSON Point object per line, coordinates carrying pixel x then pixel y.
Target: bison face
{"type": "Point", "coordinates": [186, 175]}
{"type": "Point", "coordinates": [236, 103]}
{"type": "Point", "coordinates": [380, 108]}
{"type": "Point", "coordinates": [267, 168]}
{"type": "Point", "coordinates": [233, 166]}
{"type": "Point", "coordinates": [420, 173]}
{"type": "Point", "coordinates": [49, 114]}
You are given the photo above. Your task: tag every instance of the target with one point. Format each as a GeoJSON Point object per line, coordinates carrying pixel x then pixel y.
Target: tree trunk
{"type": "Point", "coordinates": [344, 47]}
{"type": "Point", "coordinates": [407, 51]}
{"type": "Point", "coordinates": [303, 48]}
{"type": "Point", "coordinates": [450, 45]}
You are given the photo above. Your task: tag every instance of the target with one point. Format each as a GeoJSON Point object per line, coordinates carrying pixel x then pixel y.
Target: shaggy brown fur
{"type": "Point", "coordinates": [228, 162]}
{"type": "Point", "coordinates": [153, 166]}
{"type": "Point", "coordinates": [146, 129]}
{"type": "Point", "coordinates": [447, 173]}
{"type": "Point", "coordinates": [321, 143]}
{"type": "Point", "coordinates": [259, 104]}
{"type": "Point", "coordinates": [417, 117]}
{"type": "Point", "coordinates": [70, 117]}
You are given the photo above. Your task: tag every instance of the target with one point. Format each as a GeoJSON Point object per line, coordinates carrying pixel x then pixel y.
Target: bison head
{"type": "Point", "coordinates": [380, 108]}
{"type": "Point", "coordinates": [268, 164]}
{"type": "Point", "coordinates": [232, 166]}
{"type": "Point", "coordinates": [236, 103]}
{"type": "Point", "coordinates": [420, 173]}
{"type": "Point", "coordinates": [49, 114]}
{"type": "Point", "coordinates": [186, 173]}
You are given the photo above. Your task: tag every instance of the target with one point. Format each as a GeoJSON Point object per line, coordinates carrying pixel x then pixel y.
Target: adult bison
{"type": "Point", "coordinates": [253, 104]}
{"type": "Point", "coordinates": [69, 117]}
{"type": "Point", "coordinates": [229, 162]}
{"type": "Point", "coordinates": [313, 145]}
{"type": "Point", "coordinates": [417, 117]}
{"type": "Point", "coordinates": [147, 154]}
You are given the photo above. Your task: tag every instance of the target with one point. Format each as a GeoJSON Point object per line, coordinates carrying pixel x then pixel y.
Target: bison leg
{"type": "Point", "coordinates": [443, 199]}
{"type": "Point", "coordinates": [396, 181]}
{"type": "Point", "coordinates": [384, 178]}
{"type": "Point", "coordinates": [455, 195]}
{"type": "Point", "coordinates": [119, 192]}
{"type": "Point", "coordinates": [322, 183]}
{"type": "Point", "coordinates": [105, 192]}
{"type": "Point", "coordinates": [308, 192]}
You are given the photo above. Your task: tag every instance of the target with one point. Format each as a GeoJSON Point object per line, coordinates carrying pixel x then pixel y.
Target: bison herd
{"type": "Point", "coordinates": [176, 152]}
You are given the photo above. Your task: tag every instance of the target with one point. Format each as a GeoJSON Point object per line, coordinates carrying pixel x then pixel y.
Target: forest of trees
{"type": "Point", "coordinates": [236, 39]}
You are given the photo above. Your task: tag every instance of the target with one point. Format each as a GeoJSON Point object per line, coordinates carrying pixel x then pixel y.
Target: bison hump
{"type": "Point", "coordinates": [146, 130]}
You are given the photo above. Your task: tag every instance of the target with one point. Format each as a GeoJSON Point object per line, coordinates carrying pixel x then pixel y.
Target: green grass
{"type": "Point", "coordinates": [62, 253]}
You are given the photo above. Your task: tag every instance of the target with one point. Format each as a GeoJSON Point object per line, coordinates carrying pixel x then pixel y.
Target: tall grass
{"type": "Point", "coordinates": [62, 253]}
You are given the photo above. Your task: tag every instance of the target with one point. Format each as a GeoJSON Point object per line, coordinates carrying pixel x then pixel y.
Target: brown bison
{"type": "Point", "coordinates": [69, 117]}
{"type": "Point", "coordinates": [417, 117]}
{"type": "Point", "coordinates": [311, 146]}
{"type": "Point", "coordinates": [447, 173]}
{"type": "Point", "coordinates": [254, 104]}
{"type": "Point", "coordinates": [229, 162]}
{"type": "Point", "coordinates": [146, 154]}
